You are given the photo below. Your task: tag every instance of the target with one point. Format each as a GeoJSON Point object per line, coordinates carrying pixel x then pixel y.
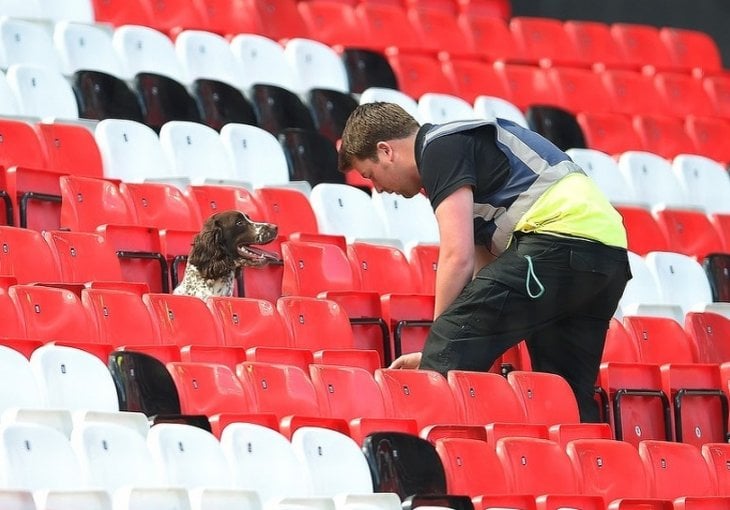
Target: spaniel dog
{"type": "Point", "coordinates": [222, 246]}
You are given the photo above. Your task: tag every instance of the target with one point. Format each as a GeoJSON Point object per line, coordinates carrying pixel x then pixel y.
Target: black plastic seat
{"type": "Point", "coordinates": [330, 109]}
{"type": "Point", "coordinates": [367, 68]}
{"type": "Point", "coordinates": [164, 99]}
{"type": "Point", "coordinates": [278, 109]}
{"type": "Point", "coordinates": [103, 96]}
{"type": "Point", "coordinates": [221, 103]}
{"type": "Point", "coordinates": [557, 125]}
{"type": "Point", "coordinates": [143, 384]}
{"type": "Point", "coordinates": [311, 156]}
{"type": "Point", "coordinates": [455, 502]}
{"type": "Point", "coordinates": [717, 268]}
{"type": "Point", "coordinates": [405, 464]}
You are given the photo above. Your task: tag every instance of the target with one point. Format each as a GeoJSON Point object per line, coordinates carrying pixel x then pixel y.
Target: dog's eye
{"type": "Point", "coordinates": [239, 223]}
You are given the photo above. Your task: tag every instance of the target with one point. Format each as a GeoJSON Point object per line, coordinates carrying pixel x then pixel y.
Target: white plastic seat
{"type": "Point", "coordinates": [189, 456]}
{"type": "Point", "coordinates": [334, 462]}
{"type": "Point", "coordinates": [20, 388]}
{"type": "Point", "coordinates": [143, 498]}
{"type": "Point", "coordinates": [17, 500]}
{"type": "Point", "coordinates": [81, 11]}
{"type": "Point", "coordinates": [8, 103]}
{"type": "Point", "coordinates": [263, 460]}
{"type": "Point", "coordinates": [131, 151]}
{"type": "Point", "coordinates": [206, 55]}
{"type": "Point", "coordinates": [196, 152]}
{"type": "Point", "coordinates": [680, 280]}
{"type": "Point", "coordinates": [346, 210]}
{"type": "Point", "coordinates": [144, 49]}
{"type": "Point", "coordinates": [261, 60]}
{"type": "Point", "coordinates": [375, 501]}
{"type": "Point", "coordinates": [603, 169]}
{"type": "Point", "coordinates": [311, 503]}
{"type": "Point", "coordinates": [316, 65]}
{"type": "Point", "coordinates": [490, 107]}
{"type": "Point", "coordinates": [642, 295]}
{"type": "Point", "coordinates": [85, 47]}
{"type": "Point", "coordinates": [42, 92]}
{"type": "Point", "coordinates": [443, 108]}
{"type": "Point", "coordinates": [26, 42]}
{"type": "Point", "coordinates": [111, 456]}
{"type": "Point", "coordinates": [411, 220]}
{"type": "Point", "coordinates": [256, 155]}
{"type": "Point", "coordinates": [375, 94]}
{"type": "Point", "coordinates": [133, 421]}
{"type": "Point", "coordinates": [653, 183]}
{"type": "Point", "coordinates": [224, 499]}
{"type": "Point", "coordinates": [22, 9]}
{"type": "Point", "coordinates": [73, 379]}
{"type": "Point", "coordinates": [705, 182]}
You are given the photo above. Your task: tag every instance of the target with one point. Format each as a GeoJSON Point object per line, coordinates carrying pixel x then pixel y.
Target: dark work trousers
{"type": "Point", "coordinates": [565, 327]}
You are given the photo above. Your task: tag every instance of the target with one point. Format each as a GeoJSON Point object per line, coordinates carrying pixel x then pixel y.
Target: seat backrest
{"type": "Point", "coordinates": [256, 155]}
{"type": "Point", "coordinates": [523, 459]}
{"type": "Point", "coordinates": [37, 457]}
{"type": "Point", "coordinates": [113, 456]}
{"type": "Point", "coordinates": [642, 230]}
{"type": "Point", "coordinates": [651, 179]}
{"type": "Point", "coordinates": [689, 232]}
{"type": "Point", "coordinates": [289, 209]}
{"type": "Point", "coordinates": [382, 269]}
{"type": "Point", "coordinates": [263, 460]}
{"type": "Point", "coordinates": [347, 392]}
{"type": "Point", "coordinates": [164, 99]}
{"type": "Point", "coordinates": [490, 107]}
{"type": "Point", "coordinates": [249, 322]}
{"type": "Point", "coordinates": [485, 397]}
{"type": "Point", "coordinates": [374, 94]}
{"type": "Point", "coordinates": [145, 385]}
{"type": "Point", "coordinates": [83, 256]}
{"type": "Point", "coordinates": [345, 210]}
{"type": "Point", "coordinates": [182, 320]}
{"type": "Point", "coordinates": [422, 395]}
{"type": "Point", "coordinates": [546, 398]}
{"type": "Point", "coordinates": [87, 203]}
{"type": "Point", "coordinates": [710, 333]}
{"type": "Point", "coordinates": [411, 220]}
{"type": "Point", "coordinates": [279, 389]}
{"type": "Point", "coordinates": [316, 323]}
{"type": "Point", "coordinates": [112, 309]}
{"type": "Point", "coordinates": [603, 169]}
{"type": "Point", "coordinates": [26, 42]}
{"type": "Point", "coordinates": [717, 456]}
{"type": "Point", "coordinates": [42, 91]}
{"type": "Point", "coordinates": [85, 46]}
{"type": "Point", "coordinates": [206, 55]}
{"type": "Point", "coordinates": [70, 148]}
{"type": "Point", "coordinates": [209, 388]}
{"type": "Point", "coordinates": [196, 152]}
{"type": "Point", "coordinates": [660, 340]}
{"type": "Point", "coordinates": [334, 462]}
{"type": "Point", "coordinates": [161, 205]}
{"type": "Point", "coordinates": [188, 456]}
{"type": "Point", "coordinates": [144, 49]}
{"type": "Point", "coordinates": [676, 469]}
{"type": "Point", "coordinates": [130, 151]}
{"type": "Point", "coordinates": [26, 256]}
{"type": "Point", "coordinates": [441, 108]}
{"type": "Point", "coordinates": [278, 108]}
{"type": "Point", "coordinates": [73, 379]}
{"type": "Point", "coordinates": [311, 268]}
{"type": "Point", "coordinates": [22, 389]}
{"type": "Point", "coordinates": [680, 279]}
{"type": "Point", "coordinates": [315, 65]}
{"type": "Point", "coordinates": [705, 182]}
{"type": "Point", "coordinates": [472, 467]}
{"type": "Point", "coordinates": [557, 125]}
{"type": "Point", "coordinates": [261, 60]}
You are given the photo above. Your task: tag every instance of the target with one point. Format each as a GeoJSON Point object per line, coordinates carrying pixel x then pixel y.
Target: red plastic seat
{"type": "Point", "coordinates": [419, 394]}
{"type": "Point", "coordinates": [546, 398]}
{"type": "Point", "coordinates": [289, 209]}
{"type": "Point", "coordinates": [13, 324]}
{"type": "Point", "coordinates": [438, 30]}
{"type": "Point", "coordinates": [708, 135]}
{"type": "Point", "coordinates": [490, 35]}
{"type": "Point", "coordinates": [209, 389]}
{"type": "Point", "coordinates": [173, 16]}
{"type": "Point", "coordinates": [112, 310]}
{"type": "Point", "coordinates": [161, 205]}
{"type": "Point", "coordinates": [472, 467]}
{"type": "Point", "coordinates": [83, 256]}
{"type": "Point", "coordinates": [219, 354]}
{"type": "Point", "coordinates": [386, 25]}
{"type": "Point", "coordinates": [682, 94]}
{"type": "Point", "coordinates": [224, 17]}
{"type": "Point", "coordinates": [527, 84]}
{"type": "Point", "coordinates": [663, 135]}
{"type": "Point", "coordinates": [643, 231]}
{"type": "Point", "coordinates": [578, 90]}
{"type": "Point", "coordinates": [122, 12]}
{"type": "Point", "coordinates": [367, 359]}
{"type": "Point", "coordinates": [182, 320]}
{"type": "Point", "coordinates": [689, 232]}
{"type": "Point", "coordinates": [26, 256]}
{"type": "Point", "coordinates": [472, 77]}
{"type": "Point", "coordinates": [70, 148]}
{"type": "Point", "coordinates": [710, 334]}
{"type": "Point", "coordinates": [248, 322]}
{"type": "Point", "coordinates": [676, 470]}
{"type": "Point", "coordinates": [424, 262]}
{"type": "Point", "coordinates": [315, 323]}
{"type": "Point", "coordinates": [717, 88]}
{"type": "Point", "coordinates": [620, 346]}
{"type": "Point", "coordinates": [293, 356]}
{"type": "Point", "coordinates": [418, 74]}
{"type": "Point", "coordinates": [88, 202]}
{"type": "Point", "coordinates": [721, 223]}
{"type": "Point", "coordinates": [717, 457]}
{"type": "Point", "coordinates": [631, 92]}
{"type": "Point", "coordinates": [692, 49]}
{"type": "Point", "coordinates": [641, 46]}
{"type": "Point", "coordinates": [278, 19]}
{"type": "Point", "coordinates": [543, 40]}
{"type": "Point", "coordinates": [213, 199]}
{"type": "Point", "coordinates": [611, 133]}
{"type": "Point", "coordinates": [382, 269]}
{"type": "Point", "coordinates": [593, 41]}
{"type": "Point", "coordinates": [311, 268]}
{"type": "Point", "coordinates": [660, 340]}
{"type": "Point", "coordinates": [334, 22]}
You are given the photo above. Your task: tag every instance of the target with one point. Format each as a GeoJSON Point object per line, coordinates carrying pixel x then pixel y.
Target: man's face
{"type": "Point", "coordinates": [389, 173]}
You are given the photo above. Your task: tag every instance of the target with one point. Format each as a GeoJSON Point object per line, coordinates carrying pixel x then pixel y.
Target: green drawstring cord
{"type": "Point", "coordinates": [531, 274]}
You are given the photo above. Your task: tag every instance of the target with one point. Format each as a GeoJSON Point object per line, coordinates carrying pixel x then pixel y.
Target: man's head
{"type": "Point", "coordinates": [378, 142]}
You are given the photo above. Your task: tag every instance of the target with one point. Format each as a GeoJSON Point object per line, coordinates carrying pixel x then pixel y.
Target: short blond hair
{"type": "Point", "coordinates": [369, 124]}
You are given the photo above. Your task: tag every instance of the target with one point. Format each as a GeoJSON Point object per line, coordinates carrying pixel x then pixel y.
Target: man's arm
{"type": "Point", "coordinates": [456, 248]}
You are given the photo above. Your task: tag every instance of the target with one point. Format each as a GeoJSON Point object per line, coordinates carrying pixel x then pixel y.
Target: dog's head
{"type": "Point", "coordinates": [225, 242]}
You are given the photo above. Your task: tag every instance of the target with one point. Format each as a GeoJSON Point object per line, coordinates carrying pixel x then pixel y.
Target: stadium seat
{"type": "Point", "coordinates": [256, 155]}
{"type": "Point", "coordinates": [418, 73]}
{"type": "Point", "coordinates": [142, 49]}
{"type": "Point", "coordinates": [442, 108]}
{"type": "Point", "coordinates": [26, 256]}
{"type": "Point", "coordinates": [216, 198]}
{"type": "Point", "coordinates": [373, 94]}
{"type": "Point", "coordinates": [681, 94]}
{"type": "Point", "coordinates": [691, 49]}
{"type": "Point", "coordinates": [490, 35]}
{"type": "Point", "coordinates": [164, 99]}
{"type": "Point", "coordinates": [676, 470]}
{"type": "Point", "coordinates": [630, 92]}
{"type": "Point", "coordinates": [438, 31]}
{"type": "Point", "coordinates": [70, 148]}
{"type": "Point", "coordinates": [519, 457]}
{"type": "Point", "coordinates": [543, 41]}
{"type": "Point", "coordinates": [206, 55]}
{"type": "Point", "coordinates": [311, 268]}
{"type": "Point", "coordinates": [594, 43]}
{"type": "Point", "coordinates": [651, 179]}
{"type": "Point", "coordinates": [316, 65]}
{"type": "Point", "coordinates": [278, 108]}
{"type": "Point", "coordinates": [119, 12]}
{"type": "Point", "coordinates": [488, 107]}
{"type": "Point", "coordinates": [367, 68]}
{"type": "Point", "coordinates": [333, 462]}
{"type": "Point", "coordinates": [578, 90]}
{"type": "Point", "coordinates": [83, 256]}
{"type": "Point", "coordinates": [83, 46]}
{"type": "Point", "coordinates": [620, 345]}
{"type": "Point", "coordinates": [330, 109]}
{"type": "Point", "coordinates": [111, 310]}
{"type": "Point", "coordinates": [716, 456]}
{"type": "Point", "coordinates": [717, 269]}
{"type": "Point", "coordinates": [662, 135]}
{"type": "Point", "coordinates": [640, 45]}
{"type": "Point", "coordinates": [546, 398]}
{"type": "Point", "coordinates": [423, 259]}
{"type": "Point", "coordinates": [279, 19]}
{"type": "Point", "coordinates": [660, 340]}
{"type": "Point", "coordinates": [717, 88]}
{"type": "Point", "coordinates": [73, 379]}
{"type": "Point", "coordinates": [707, 330]}
{"type": "Point", "coordinates": [334, 23]}
{"type": "Point", "coordinates": [182, 320]}
{"type": "Point", "coordinates": [221, 104]}
{"type": "Point", "coordinates": [248, 322]}
{"type": "Point", "coordinates": [681, 280]}
{"type": "Point", "coordinates": [611, 133]}
{"type": "Point", "coordinates": [404, 464]}
{"type": "Point", "coordinates": [209, 389]}
{"type": "Point", "coordinates": [145, 385]}
{"type": "Point", "coordinates": [315, 323]}
{"type": "Point", "coordinates": [42, 92]}
{"type": "Point", "coordinates": [557, 125]}
{"type": "Point", "coordinates": [8, 105]}
{"type": "Point", "coordinates": [527, 84]}
{"type": "Point", "coordinates": [312, 157]}
{"type": "Point", "coordinates": [707, 133]}
{"type": "Point", "coordinates": [603, 169]}
{"type": "Point", "coordinates": [386, 25]}
{"type": "Point", "coordinates": [689, 232]}
{"type": "Point", "coordinates": [642, 295]}
{"type": "Point", "coordinates": [704, 182]}
{"type": "Point", "coordinates": [345, 210]}
{"type": "Point", "coordinates": [411, 220]}
{"type": "Point", "coordinates": [261, 60]}
{"type": "Point", "coordinates": [643, 231]}
{"type": "Point", "coordinates": [472, 467]}
{"type": "Point", "coordinates": [472, 78]}
{"type": "Point", "coordinates": [24, 391]}
{"type": "Point", "coordinates": [196, 152]}
{"type": "Point", "coordinates": [26, 42]}
{"type": "Point", "coordinates": [161, 205]}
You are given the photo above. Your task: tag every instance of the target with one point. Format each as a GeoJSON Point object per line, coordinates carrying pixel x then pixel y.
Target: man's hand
{"type": "Point", "coordinates": [407, 361]}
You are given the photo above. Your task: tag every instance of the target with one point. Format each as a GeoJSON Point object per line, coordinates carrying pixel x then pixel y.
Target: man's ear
{"type": "Point", "coordinates": [386, 148]}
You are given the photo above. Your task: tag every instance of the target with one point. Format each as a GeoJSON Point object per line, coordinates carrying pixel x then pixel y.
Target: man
{"type": "Point", "coordinates": [529, 247]}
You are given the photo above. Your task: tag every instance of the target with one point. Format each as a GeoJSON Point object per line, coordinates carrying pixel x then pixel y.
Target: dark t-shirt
{"type": "Point", "coordinates": [463, 158]}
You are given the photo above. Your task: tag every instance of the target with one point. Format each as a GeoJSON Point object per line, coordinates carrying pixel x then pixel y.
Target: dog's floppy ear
{"type": "Point", "coordinates": [208, 253]}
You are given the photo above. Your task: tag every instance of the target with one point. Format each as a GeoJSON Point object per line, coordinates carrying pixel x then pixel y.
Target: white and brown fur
{"type": "Point", "coordinates": [221, 247]}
